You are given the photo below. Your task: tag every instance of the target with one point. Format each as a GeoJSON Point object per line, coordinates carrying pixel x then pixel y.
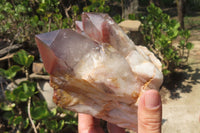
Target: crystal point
{"type": "Point", "coordinates": [48, 38]}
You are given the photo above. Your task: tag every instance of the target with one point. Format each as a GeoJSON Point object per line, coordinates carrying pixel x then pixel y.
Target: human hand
{"type": "Point", "coordinates": [149, 117]}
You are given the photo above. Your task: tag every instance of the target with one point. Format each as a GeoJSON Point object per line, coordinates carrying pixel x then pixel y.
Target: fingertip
{"type": "Point", "coordinates": [88, 124]}
{"type": "Point", "coordinates": [150, 112]}
{"type": "Point", "coordinates": [152, 99]}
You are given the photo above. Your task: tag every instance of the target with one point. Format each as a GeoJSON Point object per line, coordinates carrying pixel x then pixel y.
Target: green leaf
{"type": "Point", "coordinates": [20, 9]}
{"type": "Point", "coordinates": [117, 18]}
{"type": "Point", "coordinates": [14, 68]}
{"type": "Point", "coordinates": [11, 72]}
{"type": "Point", "coordinates": [166, 72]}
{"type": "Point", "coordinates": [132, 16]}
{"type": "Point", "coordinates": [41, 23]}
{"type": "Point", "coordinates": [182, 43]}
{"type": "Point", "coordinates": [189, 45]}
{"type": "Point", "coordinates": [28, 88]}
{"type": "Point", "coordinates": [22, 58]}
{"type": "Point", "coordinates": [10, 96]}
{"type": "Point", "coordinates": [17, 120]}
{"type": "Point", "coordinates": [185, 33]}
{"type": "Point", "coordinates": [7, 7]}
{"type": "Point", "coordinates": [25, 123]}
{"type": "Point", "coordinates": [54, 111]}
{"type": "Point", "coordinates": [34, 21]}
{"type": "Point", "coordinates": [22, 97]}
{"type": "Point", "coordinates": [75, 9]}
{"type": "Point", "coordinates": [52, 124]}
{"type": "Point", "coordinates": [106, 8]}
{"type": "Point", "coordinates": [39, 112]}
{"type": "Point", "coordinates": [30, 60]}
{"type": "Point", "coordinates": [7, 107]}
{"type": "Point", "coordinates": [10, 121]}
{"type": "Point", "coordinates": [60, 125]}
{"type": "Point", "coordinates": [17, 90]}
{"type": "Point", "coordinates": [42, 130]}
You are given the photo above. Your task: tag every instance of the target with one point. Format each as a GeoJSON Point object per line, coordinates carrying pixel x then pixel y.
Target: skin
{"type": "Point", "coordinates": [149, 117]}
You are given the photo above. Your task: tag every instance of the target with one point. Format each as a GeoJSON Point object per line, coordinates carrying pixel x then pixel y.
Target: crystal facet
{"type": "Point", "coordinates": [98, 70]}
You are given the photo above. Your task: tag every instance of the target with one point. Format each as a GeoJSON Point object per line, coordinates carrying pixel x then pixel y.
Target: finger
{"type": "Point", "coordinates": [112, 128]}
{"type": "Point", "coordinates": [88, 124]}
{"type": "Point", "coordinates": [150, 112]}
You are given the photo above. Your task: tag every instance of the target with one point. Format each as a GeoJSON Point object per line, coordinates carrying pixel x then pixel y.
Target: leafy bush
{"type": "Point", "coordinates": [21, 20]}
{"type": "Point", "coordinates": [160, 34]}
{"type": "Point", "coordinates": [97, 6]}
{"type": "Point", "coordinates": [23, 109]}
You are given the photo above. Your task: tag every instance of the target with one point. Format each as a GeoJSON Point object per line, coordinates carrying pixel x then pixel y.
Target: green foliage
{"type": "Point", "coordinates": [132, 16]}
{"type": "Point", "coordinates": [97, 6]}
{"type": "Point", "coordinates": [40, 111]}
{"type": "Point", "coordinates": [23, 58]}
{"type": "Point", "coordinates": [160, 33]}
{"type": "Point", "coordinates": [11, 72]}
{"type": "Point", "coordinates": [7, 107]}
{"type": "Point", "coordinates": [21, 20]}
{"type": "Point", "coordinates": [117, 18]}
{"type": "Point", "coordinates": [22, 104]}
{"type": "Point", "coordinates": [22, 92]}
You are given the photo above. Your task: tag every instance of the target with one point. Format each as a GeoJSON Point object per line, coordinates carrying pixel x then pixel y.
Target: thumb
{"type": "Point", "coordinates": [150, 112]}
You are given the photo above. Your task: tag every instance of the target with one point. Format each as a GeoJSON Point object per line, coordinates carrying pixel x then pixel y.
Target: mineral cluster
{"type": "Point", "coordinates": [98, 70]}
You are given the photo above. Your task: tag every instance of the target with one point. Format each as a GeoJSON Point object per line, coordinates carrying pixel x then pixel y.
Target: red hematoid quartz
{"type": "Point", "coordinates": [98, 70]}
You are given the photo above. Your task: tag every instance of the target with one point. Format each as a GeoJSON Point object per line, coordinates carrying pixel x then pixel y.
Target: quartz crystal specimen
{"type": "Point", "coordinates": [98, 70]}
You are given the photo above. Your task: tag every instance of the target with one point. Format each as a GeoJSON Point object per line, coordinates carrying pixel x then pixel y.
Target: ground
{"type": "Point", "coordinates": [181, 98]}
